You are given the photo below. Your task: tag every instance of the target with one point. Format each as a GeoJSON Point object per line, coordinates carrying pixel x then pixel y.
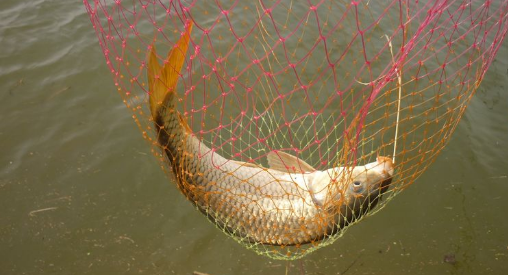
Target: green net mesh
{"type": "Point", "coordinates": [288, 121]}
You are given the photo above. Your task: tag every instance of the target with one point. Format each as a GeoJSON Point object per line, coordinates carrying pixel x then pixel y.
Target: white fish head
{"type": "Point", "coordinates": [353, 187]}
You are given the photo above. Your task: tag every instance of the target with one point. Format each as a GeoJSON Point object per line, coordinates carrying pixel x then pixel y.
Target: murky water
{"type": "Point", "coordinates": [80, 193]}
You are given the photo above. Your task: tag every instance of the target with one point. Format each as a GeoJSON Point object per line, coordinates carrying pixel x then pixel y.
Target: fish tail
{"type": "Point", "coordinates": [162, 81]}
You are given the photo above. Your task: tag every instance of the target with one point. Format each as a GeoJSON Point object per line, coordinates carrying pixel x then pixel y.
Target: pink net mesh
{"type": "Point", "coordinates": [285, 106]}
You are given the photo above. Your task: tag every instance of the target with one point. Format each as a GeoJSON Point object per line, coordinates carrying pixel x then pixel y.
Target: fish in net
{"type": "Point", "coordinates": [286, 122]}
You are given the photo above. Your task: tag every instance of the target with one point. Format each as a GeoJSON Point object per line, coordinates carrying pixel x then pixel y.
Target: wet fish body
{"type": "Point", "coordinates": [254, 203]}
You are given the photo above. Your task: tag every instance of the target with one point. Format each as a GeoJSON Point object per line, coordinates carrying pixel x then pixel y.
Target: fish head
{"type": "Point", "coordinates": [358, 187]}
{"type": "Point", "coordinates": [365, 188]}
{"type": "Point", "coordinates": [372, 179]}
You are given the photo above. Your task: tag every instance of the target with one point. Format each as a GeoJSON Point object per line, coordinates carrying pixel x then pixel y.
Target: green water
{"type": "Point", "coordinates": [80, 193]}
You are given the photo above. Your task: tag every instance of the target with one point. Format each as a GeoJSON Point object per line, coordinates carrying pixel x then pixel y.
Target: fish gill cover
{"type": "Point", "coordinates": [285, 122]}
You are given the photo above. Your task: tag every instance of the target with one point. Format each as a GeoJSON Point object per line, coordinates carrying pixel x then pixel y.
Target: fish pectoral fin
{"type": "Point", "coordinates": [318, 199]}
{"type": "Point", "coordinates": [281, 161]}
{"type": "Point", "coordinates": [163, 80]}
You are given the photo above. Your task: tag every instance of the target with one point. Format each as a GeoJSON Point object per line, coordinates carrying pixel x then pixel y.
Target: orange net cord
{"type": "Point", "coordinates": [285, 122]}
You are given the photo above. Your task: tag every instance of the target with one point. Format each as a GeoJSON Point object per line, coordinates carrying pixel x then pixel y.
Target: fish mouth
{"type": "Point", "coordinates": [382, 165]}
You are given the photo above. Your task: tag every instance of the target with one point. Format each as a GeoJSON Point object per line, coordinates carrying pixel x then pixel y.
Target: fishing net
{"type": "Point", "coordinates": [294, 87]}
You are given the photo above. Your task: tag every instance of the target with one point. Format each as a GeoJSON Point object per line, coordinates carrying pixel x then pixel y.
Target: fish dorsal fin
{"type": "Point", "coordinates": [281, 161]}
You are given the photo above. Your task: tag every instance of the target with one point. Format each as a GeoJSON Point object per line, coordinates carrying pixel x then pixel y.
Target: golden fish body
{"type": "Point", "coordinates": [254, 203]}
